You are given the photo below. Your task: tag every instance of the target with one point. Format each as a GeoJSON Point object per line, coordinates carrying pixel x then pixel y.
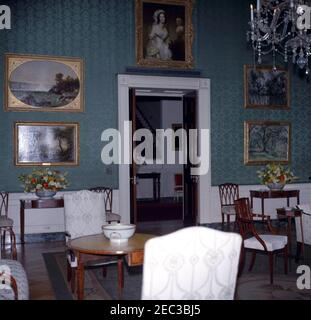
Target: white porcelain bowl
{"type": "Point", "coordinates": [119, 232]}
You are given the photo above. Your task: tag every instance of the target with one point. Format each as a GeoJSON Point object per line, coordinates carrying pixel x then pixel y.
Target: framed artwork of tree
{"type": "Point", "coordinates": [266, 88]}
{"type": "Point", "coordinates": [46, 143]}
{"type": "Point", "coordinates": [267, 141]}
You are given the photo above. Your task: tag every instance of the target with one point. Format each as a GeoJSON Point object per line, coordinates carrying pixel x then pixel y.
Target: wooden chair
{"type": "Point", "coordinates": [268, 243]}
{"type": "Point", "coordinates": [6, 225]}
{"type": "Point", "coordinates": [228, 193]}
{"type": "Point", "coordinates": [108, 197]}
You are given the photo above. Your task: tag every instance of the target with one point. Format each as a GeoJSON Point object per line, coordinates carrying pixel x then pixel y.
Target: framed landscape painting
{"type": "Point", "coordinates": [266, 141]}
{"type": "Point", "coordinates": [164, 33]}
{"type": "Point", "coordinates": [266, 88]}
{"type": "Point", "coordinates": [43, 83]}
{"type": "Point", "coordinates": [46, 143]}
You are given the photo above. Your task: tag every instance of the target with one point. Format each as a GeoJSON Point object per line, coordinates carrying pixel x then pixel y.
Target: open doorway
{"type": "Point", "coordinates": [173, 86]}
{"type": "Point", "coordinates": [165, 191]}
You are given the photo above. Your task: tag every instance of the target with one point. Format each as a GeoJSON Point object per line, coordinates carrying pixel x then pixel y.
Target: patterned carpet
{"type": "Point", "coordinates": [251, 286]}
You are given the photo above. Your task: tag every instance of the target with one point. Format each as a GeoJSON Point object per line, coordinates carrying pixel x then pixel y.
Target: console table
{"type": "Point", "coordinates": [36, 203]}
{"type": "Point", "coordinates": [156, 177]}
{"type": "Point", "coordinates": [267, 194]}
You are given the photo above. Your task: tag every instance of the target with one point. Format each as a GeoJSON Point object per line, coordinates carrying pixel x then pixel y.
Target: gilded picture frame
{"type": "Point", "coordinates": [164, 33]}
{"type": "Point", "coordinates": [43, 83]}
{"type": "Point", "coordinates": [265, 88]}
{"type": "Point", "coordinates": [266, 142]}
{"type": "Point", "coordinates": [46, 143]}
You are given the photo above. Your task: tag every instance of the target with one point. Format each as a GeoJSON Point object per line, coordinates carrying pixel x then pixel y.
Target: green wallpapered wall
{"type": "Point", "coordinates": [103, 33]}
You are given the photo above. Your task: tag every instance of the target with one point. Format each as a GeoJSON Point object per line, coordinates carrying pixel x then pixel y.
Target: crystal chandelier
{"type": "Point", "coordinates": [281, 27]}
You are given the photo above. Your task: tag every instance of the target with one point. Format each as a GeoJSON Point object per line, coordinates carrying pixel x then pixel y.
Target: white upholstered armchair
{"type": "Point", "coordinates": [194, 263]}
{"type": "Point", "coordinates": [303, 227]}
{"type": "Point", "coordinates": [13, 281]}
{"type": "Point", "coordinates": [85, 215]}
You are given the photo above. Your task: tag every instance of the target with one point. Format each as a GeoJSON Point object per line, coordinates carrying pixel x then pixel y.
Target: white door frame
{"type": "Point", "coordinates": [202, 87]}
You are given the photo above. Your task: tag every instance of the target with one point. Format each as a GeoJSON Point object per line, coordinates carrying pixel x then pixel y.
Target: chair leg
{"type": "Point", "coordinates": [69, 272]}
{"type": "Point", "coordinates": [13, 244]}
{"type": "Point", "coordinates": [3, 240]}
{"type": "Point", "coordinates": [270, 254]}
{"type": "Point", "coordinates": [250, 268]}
{"type": "Point", "coordinates": [104, 272]}
{"type": "Point", "coordinates": [298, 251]}
{"type": "Point", "coordinates": [228, 221]}
{"type": "Point", "coordinates": [286, 259]}
{"type": "Point", "coordinates": [241, 262]}
{"type": "Point", "coordinates": [73, 280]}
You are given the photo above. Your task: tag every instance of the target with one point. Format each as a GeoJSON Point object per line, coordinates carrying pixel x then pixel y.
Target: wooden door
{"type": "Point", "coordinates": [133, 169]}
{"type": "Point", "coordinates": [190, 182]}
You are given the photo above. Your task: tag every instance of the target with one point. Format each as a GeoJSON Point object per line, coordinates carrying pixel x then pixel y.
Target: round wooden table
{"type": "Point", "coordinates": [88, 248]}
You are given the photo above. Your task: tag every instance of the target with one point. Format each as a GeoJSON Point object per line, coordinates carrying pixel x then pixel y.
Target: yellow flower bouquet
{"type": "Point", "coordinates": [275, 176]}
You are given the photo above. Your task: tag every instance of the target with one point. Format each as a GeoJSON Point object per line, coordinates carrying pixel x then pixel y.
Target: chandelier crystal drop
{"type": "Point", "coordinates": [281, 28]}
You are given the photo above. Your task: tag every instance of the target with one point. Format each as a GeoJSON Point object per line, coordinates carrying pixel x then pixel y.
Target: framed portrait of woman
{"type": "Point", "coordinates": [164, 33]}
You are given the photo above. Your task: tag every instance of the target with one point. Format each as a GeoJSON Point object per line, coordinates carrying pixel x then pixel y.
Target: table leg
{"type": "Point", "coordinates": [120, 276]}
{"type": "Point", "coordinates": [80, 279]}
{"type": "Point", "coordinates": [159, 188]}
{"type": "Point", "coordinates": [287, 202]}
{"type": "Point", "coordinates": [154, 190]}
{"type": "Point", "coordinates": [289, 235]}
{"type": "Point", "coordinates": [22, 223]}
{"type": "Point", "coordinates": [302, 237]}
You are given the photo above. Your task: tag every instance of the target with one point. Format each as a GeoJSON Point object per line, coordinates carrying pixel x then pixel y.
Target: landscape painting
{"type": "Point", "coordinates": [265, 87]}
{"type": "Point", "coordinates": [39, 83]}
{"type": "Point", "coordinates": [46, 143]}
{"type": "Point", "coordinates": [266, 141]}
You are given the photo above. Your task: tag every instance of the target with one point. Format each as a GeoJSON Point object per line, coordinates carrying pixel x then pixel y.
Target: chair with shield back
{"type": "Point", "coordinates": [6, 225]}
{"type": "Point", "coordinates": [195, 263]}
{"type": "Point", "coordinates": [85, 215]}
{"type": "Point", "coordinates": [253, 241]}
{"type": "Point", "coordinates": [228, 192]}
{"type": "Point", "coordinates": [108, 198]}
{"type": "Point", "coordinates": [303, 228]}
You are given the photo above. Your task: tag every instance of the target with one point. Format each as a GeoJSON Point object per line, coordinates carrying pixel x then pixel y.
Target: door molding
{"type": "Point", "coordinates": [202, 86]}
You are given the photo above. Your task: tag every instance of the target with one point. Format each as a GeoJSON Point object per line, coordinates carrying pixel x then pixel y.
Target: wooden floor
{"type": "Point", "coordinates": [30, 255]}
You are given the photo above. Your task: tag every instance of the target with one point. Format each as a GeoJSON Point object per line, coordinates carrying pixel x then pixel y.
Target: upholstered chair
{"type": "Point", "coordinates": [13, 281]}
{"type": "Point", "coordinates": [228, 192]}
{"type": "Point", "coordinates": [111, 217]}
{"type": "Point", "coordinates": [6, 225]}
{"type": "Point", "coordinates": [253, 241]}
{"type": "Point", "coordinates": [303, 227]}
{"type": "Point", "coordinates": [85, 215]}
{"type": "Point", "coordinates": [194, 263]}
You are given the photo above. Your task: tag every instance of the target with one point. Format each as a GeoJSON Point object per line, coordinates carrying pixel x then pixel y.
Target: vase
{"type": "Point", "coordinates": [275, 186]}
{"type": "Point", "coordinates": [45, 194]}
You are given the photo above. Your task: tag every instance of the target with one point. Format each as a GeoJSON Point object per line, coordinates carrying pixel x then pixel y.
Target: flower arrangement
{"type": "Point", "coordinates": [44, 179]}
{"type": "Point", "coordinates": [275, 173]}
